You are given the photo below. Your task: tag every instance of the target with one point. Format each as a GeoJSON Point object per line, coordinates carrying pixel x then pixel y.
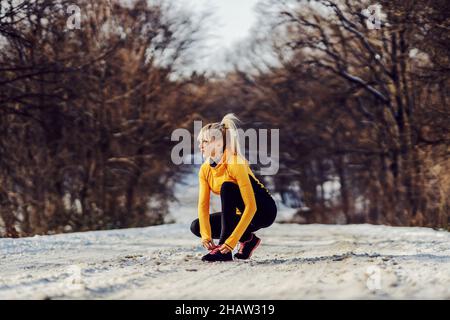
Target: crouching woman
{"type": "Point", "coordinates": [246, 204]}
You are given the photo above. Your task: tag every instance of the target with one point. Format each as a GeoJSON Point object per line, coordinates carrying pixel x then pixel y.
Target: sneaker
{"type": "Point", "coordinates": [216, 255]}
{"type": "Point", "coordinates": [246, 248]}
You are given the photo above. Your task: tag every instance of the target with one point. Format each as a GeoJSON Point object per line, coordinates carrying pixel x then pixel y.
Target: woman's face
{"type": "Point", "coordinates": [211, 147]}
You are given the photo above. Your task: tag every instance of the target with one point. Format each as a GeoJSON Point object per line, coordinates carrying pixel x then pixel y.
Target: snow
{"type": "Point", "coordinates": [293, 262]}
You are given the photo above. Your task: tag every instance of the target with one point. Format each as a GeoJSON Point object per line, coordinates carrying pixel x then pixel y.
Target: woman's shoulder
{"type": "Point", "coordinates": [204, 168]}
{"type": "Point", "coordinates": [236, 159]}
{"type": "Point", "coordinates": [237, 162]}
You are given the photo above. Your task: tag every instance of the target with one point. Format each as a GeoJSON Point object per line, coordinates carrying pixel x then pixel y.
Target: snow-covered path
{"type": "Point", "coordinates": [293, 262]}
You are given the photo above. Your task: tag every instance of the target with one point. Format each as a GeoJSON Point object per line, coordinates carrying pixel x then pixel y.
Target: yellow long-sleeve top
{"type": "Point", "coordinates": [233, 168]}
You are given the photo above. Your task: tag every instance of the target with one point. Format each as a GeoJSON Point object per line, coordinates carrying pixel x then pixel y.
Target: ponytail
{"type": "Point", "coordinates": [228, 123]}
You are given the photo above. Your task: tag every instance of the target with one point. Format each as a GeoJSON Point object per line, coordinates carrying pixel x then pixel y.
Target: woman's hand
{"type": "Point", "coordinates": [224, 249]}
{"type": "Point", "coordinates": [208, 244]}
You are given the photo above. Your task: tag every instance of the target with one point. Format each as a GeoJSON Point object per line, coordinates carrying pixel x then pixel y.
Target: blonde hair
{"type": "Point", "coordinates": [229, 131]}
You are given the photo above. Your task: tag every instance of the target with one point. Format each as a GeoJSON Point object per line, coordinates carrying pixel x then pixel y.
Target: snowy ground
{"type": "Point", "coordinates": [293, 262]}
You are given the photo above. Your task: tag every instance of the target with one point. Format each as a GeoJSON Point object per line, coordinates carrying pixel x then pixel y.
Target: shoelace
{"type": "Point", "coordinates": [214, 251]}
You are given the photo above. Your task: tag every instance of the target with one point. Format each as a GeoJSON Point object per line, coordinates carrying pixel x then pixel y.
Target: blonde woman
{"type": "Point", "coordinates": [247, 205]}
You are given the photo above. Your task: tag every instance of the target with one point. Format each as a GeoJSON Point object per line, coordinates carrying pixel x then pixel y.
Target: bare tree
{"type": "Point", "coordinates": [86, 114]}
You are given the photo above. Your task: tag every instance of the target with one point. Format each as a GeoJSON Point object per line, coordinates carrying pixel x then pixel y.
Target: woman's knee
{"type": "Point", "coordinates": [271, 219]}
{"type": "Point", "coordinates": [195, 227]}
{"type": "Point", "coordinates": [267, 217]}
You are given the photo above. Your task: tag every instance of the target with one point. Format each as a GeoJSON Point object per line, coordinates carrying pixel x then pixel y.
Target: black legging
{"type": "Point", "coordinates": [224, 222]}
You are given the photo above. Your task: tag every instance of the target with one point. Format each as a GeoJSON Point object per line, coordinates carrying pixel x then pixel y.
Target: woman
{"type": "Point", "coordinates": [246, 204]}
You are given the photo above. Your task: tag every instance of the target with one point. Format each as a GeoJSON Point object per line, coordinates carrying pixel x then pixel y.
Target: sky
{"type": "Point", "coordinates": [229, 24]}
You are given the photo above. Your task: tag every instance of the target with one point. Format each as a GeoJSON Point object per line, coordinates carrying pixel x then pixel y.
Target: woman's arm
{"type": "Point", "coordinates": [203, 206]}
{"type": "Point", "coordinates": [239, 172]}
